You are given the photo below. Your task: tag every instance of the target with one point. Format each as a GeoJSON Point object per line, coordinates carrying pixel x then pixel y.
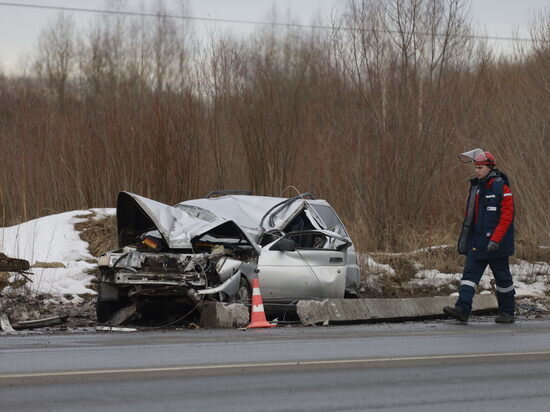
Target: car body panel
{"type": "Point", "coordinates": [286, 275]}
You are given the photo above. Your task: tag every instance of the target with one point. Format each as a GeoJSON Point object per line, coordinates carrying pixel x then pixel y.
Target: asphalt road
{"type": "Point", "coordinates": [414, 367]}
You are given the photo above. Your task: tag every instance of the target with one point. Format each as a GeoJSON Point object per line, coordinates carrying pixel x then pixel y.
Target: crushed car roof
{"type": "Point", "coordinates": [248, 211]}
{"type": "Point", "coordinates": [181, 223]}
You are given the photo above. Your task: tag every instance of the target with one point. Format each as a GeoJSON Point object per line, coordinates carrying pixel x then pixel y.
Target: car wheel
{"type": "Point", "coordinates": [244, 293]}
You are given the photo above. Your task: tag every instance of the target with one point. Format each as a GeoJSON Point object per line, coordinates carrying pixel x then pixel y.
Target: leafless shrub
{"type": "Point", "coordinates": [369, 115]}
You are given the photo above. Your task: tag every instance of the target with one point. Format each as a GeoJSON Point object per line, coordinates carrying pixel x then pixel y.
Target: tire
{"type": "Point", "coordinates": [244, 294]}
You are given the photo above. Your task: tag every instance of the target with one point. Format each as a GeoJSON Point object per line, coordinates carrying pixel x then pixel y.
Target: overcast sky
{"type": "Point", "coordinates": [20, 27]}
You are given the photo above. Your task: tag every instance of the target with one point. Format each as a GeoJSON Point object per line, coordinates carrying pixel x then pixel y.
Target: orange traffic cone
{"type": "Point", "coordinates": [257, 315]}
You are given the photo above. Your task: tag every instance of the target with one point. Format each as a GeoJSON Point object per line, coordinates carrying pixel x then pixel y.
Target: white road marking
{"type": "Point", "coordinates": [267, 365]}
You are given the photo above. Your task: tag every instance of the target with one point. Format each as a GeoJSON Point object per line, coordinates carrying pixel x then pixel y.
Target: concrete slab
{"type": "Point", "coordinates": [223, 315]}
{"type": "Point", "coordinates": [122, 315]}
{"type": "Point", "coordinates": [313, 312]}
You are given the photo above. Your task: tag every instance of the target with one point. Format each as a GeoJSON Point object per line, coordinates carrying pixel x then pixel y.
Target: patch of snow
{"type": "Point", "coordinates": [524, 269]}
{"type": "Point", "coordinates": [434, 277]}
{"type": "Point", "coordinates": [71, 280]}
{"type": "Point", "coordinates": [53, 239]}
{"type": "Point", "coordinates": [102, 213]}
{"type": "Point", "coordinates": [533, 289]}
{"type": "Point", "coordinates": [46, 239]}
{"type": "Point", "coordinates": [374, 266]}
{"type": "Point", "coordinates": [529, 279]}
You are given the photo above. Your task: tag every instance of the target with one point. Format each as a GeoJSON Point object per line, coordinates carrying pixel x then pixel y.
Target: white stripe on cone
{"type": "Point", "coordinates": [257, 308]}
{"type": "Point", "coordinates": [256, 292]}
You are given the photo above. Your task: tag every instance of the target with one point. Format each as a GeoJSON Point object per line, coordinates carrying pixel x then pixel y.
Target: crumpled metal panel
{"type": "Point", "coordinates": [248, 211]}
{"type": "Point", "coordinates": [176, 226]}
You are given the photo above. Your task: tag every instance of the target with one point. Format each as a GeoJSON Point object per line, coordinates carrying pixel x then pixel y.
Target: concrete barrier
{"type": "Point", "coordinates": [223, 315]}
{"type": "Point", "coordinates": [313, 312]}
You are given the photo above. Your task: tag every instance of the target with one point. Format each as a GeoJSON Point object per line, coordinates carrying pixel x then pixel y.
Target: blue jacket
{"type": "Point", "coordinates": [491, 217]}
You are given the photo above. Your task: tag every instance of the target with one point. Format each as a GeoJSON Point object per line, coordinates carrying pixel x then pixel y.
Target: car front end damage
{"type": "Point", "coordinates": [152, 280]}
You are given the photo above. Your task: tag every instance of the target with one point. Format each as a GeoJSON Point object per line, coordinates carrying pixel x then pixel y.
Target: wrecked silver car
{"type": "Point", "coordinates": [174, 257]}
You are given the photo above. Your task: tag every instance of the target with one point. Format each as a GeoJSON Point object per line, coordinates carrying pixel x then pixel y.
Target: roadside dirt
{"type": "Point", "coordinates": [22, 306]}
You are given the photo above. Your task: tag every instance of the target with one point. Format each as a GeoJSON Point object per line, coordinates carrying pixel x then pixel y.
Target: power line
{"type": "Point", "coordinates": [150, 14]}
{"type": "Point", "coordinates": [237, 21]}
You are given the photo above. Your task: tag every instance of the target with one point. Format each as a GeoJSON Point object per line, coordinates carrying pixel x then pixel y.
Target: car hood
{"type": "Point", "coordinates": [177, 225]}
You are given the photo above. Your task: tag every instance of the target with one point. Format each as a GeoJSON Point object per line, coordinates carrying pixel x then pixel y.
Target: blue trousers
{"type": "Point", "coordinates": [473, 270]}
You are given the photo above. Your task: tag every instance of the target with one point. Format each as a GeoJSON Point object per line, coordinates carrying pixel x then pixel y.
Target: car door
{"type": "Point", "coordinates": [315, 269]}
{"type": "Point", "coordinates": [285, 275]}
{"type": "Point", "coordinates": [327, 218]}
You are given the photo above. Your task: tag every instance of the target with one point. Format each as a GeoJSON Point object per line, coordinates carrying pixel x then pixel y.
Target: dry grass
{"type": "Point", "coordinates": [101, 234]}
{"type": "Point", "coordinates": [48, 265]}
{"type": "Point", "coordinates": [445, 260]}
{"type": "Point", "coordinates": [389, 287]}
{"type": "Point", "coordinates": [404, 267]}
{"type": "Point", "coordinates": [531, 252]}
{"type": "Point", "coordinates": [370, 120]}
{"type": "Point", "coordinates": [19, 282]}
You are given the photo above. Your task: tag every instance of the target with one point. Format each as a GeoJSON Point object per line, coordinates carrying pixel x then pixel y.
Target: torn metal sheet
{"type": "Point", "coordinates": [41, 323]}
{"type": "Point", "coordinates": [114, 329]}
{"type": "Point", "coordinates": [176, 225]}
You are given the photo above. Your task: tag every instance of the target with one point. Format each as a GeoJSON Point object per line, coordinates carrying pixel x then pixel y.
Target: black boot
{"type": "Point", "coordinates": [457, 312]}
{"type": "Point", "coordinates": [505, 318]}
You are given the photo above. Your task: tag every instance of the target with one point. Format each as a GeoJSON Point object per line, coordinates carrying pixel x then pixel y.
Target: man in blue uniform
{"type": "Point", "coordinates": [487, 237]}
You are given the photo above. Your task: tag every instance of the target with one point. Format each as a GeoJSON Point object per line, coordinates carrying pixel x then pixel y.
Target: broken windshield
{"type": "Point", "coordinates": [329, 218]}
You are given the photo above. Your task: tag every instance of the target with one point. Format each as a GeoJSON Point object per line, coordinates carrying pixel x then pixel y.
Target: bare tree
{"type": "Point", "coordinates": [56, 55]}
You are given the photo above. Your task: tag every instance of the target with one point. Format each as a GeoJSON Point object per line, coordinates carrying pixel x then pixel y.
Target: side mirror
{"type": "Point", "coordinates": [284, 245]}
{"type": "Point", "coordinates": [343, 246]}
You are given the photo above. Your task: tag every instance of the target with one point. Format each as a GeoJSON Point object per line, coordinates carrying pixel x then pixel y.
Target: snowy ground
{"type": "Point", "coordinates": [529, 278]}
{"type": "Point", "coordinates": [532, 279]}
{"type": "Point", "coordinates": [53, 241]}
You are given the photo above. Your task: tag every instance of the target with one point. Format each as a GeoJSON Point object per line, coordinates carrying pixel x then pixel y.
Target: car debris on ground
{"type": "Point", "coordinates": [21, 267]}
{"type": "Point", "coordinates": [31, 324]}
{"type": "Point", "coordinates": [9, 264]}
